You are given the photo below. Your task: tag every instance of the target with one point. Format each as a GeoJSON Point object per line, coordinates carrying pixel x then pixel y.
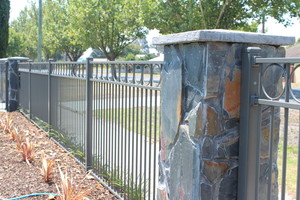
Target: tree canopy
{"type": "Point", "coordinates": [109, 25]}
{"type": "Point", "coordinates": [24, 29]}
{"type": "Point", "coordinates": [60, 34]}
{"type": "Point", "coordinates": [4, 18]}
{"type": "Point", "coordinates": [71, 26]}
{"type": "Point", "coordinates": [172, 16]}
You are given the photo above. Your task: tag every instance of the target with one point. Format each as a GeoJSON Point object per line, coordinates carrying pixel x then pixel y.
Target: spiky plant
{"type": "Point", "coordinates": [47, 168]}
{"type": "Point", "coordinates": [8, 123]}
{"type": "Point", "coordinates": [26, 150]}
{"type": "Point", "coordinates": [13, 134]}
{"type": "Point", "coordinates": [19, 139]}
{"type": "Point", "coordinates": [69, 190]}
{"type": "Point", "coordinates": [2, 123]}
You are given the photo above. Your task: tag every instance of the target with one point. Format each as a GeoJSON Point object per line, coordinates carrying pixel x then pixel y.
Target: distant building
{"type": "Point", "coordinates": [294, 52]}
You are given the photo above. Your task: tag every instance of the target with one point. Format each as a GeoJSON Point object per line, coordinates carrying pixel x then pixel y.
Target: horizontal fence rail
{"type": "Point", "coordinates": [268, 160]}
{"type": "Point", "coordinates": [106, 113]}
{"type": "Point", "coordinates": [277, 60]}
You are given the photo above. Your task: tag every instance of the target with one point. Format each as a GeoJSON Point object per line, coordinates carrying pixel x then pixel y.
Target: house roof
{"type": "Point", "coordinates": [293, 51]}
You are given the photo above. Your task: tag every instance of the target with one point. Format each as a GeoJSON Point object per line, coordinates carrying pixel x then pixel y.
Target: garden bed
{"type": "Point", "coordinates": [18, 178]}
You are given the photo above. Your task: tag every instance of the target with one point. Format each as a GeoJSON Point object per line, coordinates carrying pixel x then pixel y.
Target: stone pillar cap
{"type": "Point", "coordinates": [220, 35]}
{"type": "Point", "coordinates": [18, 58]}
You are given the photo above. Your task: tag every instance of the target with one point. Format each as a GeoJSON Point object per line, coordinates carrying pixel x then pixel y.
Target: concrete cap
{"type": "Point", "coordinates": [18, 58]}
{"type": "Point", "coordinates": [220, 35]}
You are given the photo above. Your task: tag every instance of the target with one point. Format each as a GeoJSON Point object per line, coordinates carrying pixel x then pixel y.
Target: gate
{"type": "Point", "coordinates": [3, 84]}
{"type": "Point", "coordinates": [264, 160]}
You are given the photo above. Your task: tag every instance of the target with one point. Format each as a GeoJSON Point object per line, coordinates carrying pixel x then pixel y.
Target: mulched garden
{"type": "Point", "coordinates": [21, 175]}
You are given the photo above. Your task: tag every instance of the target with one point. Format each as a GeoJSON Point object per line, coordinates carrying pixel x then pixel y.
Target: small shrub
{"type": "Point", "coordinates": [19, 139]}
{"type": "Point", "coordinates": [2, 123]}
{"type": "Point", "coordinates": [8, 124]}
{"type": "Point", "coordinates": [69, 190]}
{"type": "Point", "coordinates": [13, 134]}
{"type": "Point", "coordinates": [26, 150]}
{"type": "Point", "coordinates": [47, 168]}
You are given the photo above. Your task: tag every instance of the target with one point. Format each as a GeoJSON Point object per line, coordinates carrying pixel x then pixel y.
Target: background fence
{"type": "Point", "coordinates": [3, 84]}
{"type": "Point", "coordinates": [106, 113]}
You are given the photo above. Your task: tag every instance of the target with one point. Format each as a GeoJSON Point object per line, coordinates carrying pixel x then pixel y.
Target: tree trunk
{"type": "Point", "coordinates": [111, 57]}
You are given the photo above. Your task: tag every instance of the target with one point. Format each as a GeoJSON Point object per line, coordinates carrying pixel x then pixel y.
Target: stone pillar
{"type": "Point", "coordinates": [13, 83]}
{"type": "Point", "coordinates": [200, 111]}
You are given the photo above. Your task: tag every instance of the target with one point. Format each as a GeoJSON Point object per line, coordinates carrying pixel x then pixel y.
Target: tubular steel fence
{"type": "Point", "coordinates": [106, 113]}
{"type": "Point", "coordinates": [269, 146]}
{"type": "Point", "coordinates": [3, 85]}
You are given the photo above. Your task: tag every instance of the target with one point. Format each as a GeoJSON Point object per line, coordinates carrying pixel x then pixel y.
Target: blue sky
{"type": "Point", "coordinates": [272, 26]}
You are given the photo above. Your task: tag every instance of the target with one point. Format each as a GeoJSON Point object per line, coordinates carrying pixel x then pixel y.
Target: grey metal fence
{"type": "Point", "coordinates": [106, 113]}
{"type": "Point", "coordinates": [266, 152]}
{"type": "Point", "coordinates": [3, 84]}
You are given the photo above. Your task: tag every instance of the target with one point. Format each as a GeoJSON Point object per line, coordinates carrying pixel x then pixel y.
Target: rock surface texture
{"type": "Point", "coordinates": [13, 81]}
{"type": "Point", "coordinates": [13, 86]}
{"type": "Point", "coordinates": [200, 110]}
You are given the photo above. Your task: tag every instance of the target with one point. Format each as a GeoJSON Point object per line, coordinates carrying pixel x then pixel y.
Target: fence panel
{"type": "Point", "coordinates": [68, 113]}
{"type": "Point", "coordinates": [24, 91]}
{"type": "Point", "coordinates": [268, 154]}
{"type": "Point", "coordinates": [68, 107]}
{"type": "Point", "coordinates": [3, 85]}
{"type": "Point", "coordinates": [39, 96]}
{"type": "Point", "coordinates": [126, 105]}
{"type": "Point", "coordinates": [124, 117]}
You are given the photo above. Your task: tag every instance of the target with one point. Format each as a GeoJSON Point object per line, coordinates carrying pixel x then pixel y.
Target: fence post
{"type": "Point", "coordinates": [249, 147]}
{"type": "Point", "coordinates": [14, 83]}
{"type": "Point", "coordinates": [89, 99]}
{"type": "Point", "coordinates": [29, 88]}
{"type": "Point", "coordinates": [49, 94]}
{"type": "Point", "coordinates": [200, 111]}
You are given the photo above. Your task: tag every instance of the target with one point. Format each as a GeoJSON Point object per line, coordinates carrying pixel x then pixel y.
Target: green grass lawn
{"type": "Point", "coordinates": [292, 152]}
{"type": "Point", "coordinates": [141, 120]}
{"type": "Point", "coordinates": [291, 174]}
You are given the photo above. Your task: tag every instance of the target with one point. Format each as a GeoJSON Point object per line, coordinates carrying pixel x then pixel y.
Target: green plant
{"type": "Point", "coordinates": [47, 168]}
{"type": "Point", "coordinates": [69, 190]}
{"type": "Point", "coordinates": [124, 185]}
{"type": "Point", "coordinates": [292, 159]}
{"type": "Point", "coordinates": [74, 148]}
{"type": "Point", "coordinates": [62, 137]}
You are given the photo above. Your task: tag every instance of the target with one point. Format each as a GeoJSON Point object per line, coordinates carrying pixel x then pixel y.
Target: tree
{"type": "Point", "coordinates": [4, 18]}
{"type": "Point", "coordinates": [15, 44]}
{"type": "Point", "coordinates": [143, 43]}
{"type": "Point", "coordinates": [24, 29]}
{"type": "Point", "coordinates": [172, 16]}
{"type": "Point", "coordinates": [131, 49]}
{"type": "Point", "coordinates": [97, 53]}
{"type": "Point", "coordinates": [278, 9]}
{"type": "Point", "coordinates": [60, 35]}
{"type": "Point", "coordinates": [109, 25]}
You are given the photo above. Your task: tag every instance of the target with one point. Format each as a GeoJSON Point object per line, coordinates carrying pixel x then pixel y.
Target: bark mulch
{"type": "Point", "coordinates": [17, 178]}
